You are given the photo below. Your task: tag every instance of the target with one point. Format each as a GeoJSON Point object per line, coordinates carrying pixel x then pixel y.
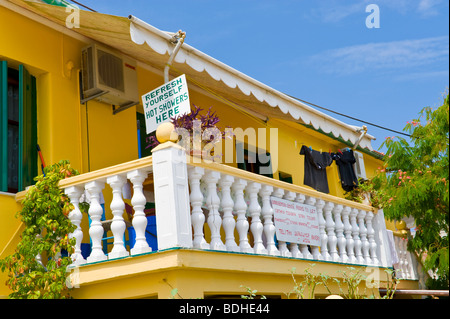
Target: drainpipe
{"type": "Point", "coordinates": [178, 39]}
{"type": "Point", "coordinates": [363, 131]}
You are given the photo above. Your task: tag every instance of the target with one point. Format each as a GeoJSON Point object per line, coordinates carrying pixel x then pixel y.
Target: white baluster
{"type": "Point", "coordinates": [371, 238]}
{"type": "Point", "coordinates": [118, 224]}
{"type": "Point", "coordinates": [348, 235]}
{"type": "Point", "coordinates": [339, 228]}
{"type": "Point", "coordinates": [282, 247]}
{"type": "Point", "coordinates": [399, 266]}
{"type": "Point", "coordinates": [315, 253]}
{"type": "Point", "coordinates": [75, 216]}
{"type": "Point", "coordinates": [267, 214]}
{"type": "Point", "coordinates": [324, 255]}
{"type": "Point", "coordinates": [212, 202]}
{"type": "Point", "coordinates": [363, 236]}
{"type": "Point", "coordinates": [293, 247]}
{"type": "Point", "coordinates": [240, 207]}
{"type": "Point", "coordinates": [329, 226]}
{"type": "Point", "coordinates": [412, 274]}
{"type": "Point", "coordinates": [137, 177]}
{"type": "Point", "coordinates": [196, 198]}
{"type": "Point", "coordinates": [96, 229]}
{"type": "Point", "coordinates": [356, 239]}
{"type": "Point", "coordinates": [227, 204]}
{"type": "Point", "coordinates": [254, 210]}
{"type": "Point", "coordinates": [405, 267]}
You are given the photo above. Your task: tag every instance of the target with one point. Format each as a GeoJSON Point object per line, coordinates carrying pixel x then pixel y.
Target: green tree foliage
{"type": "Point", "coordinates": [47, 227]}
{"type": "Point", "coordinates": [414, 182]}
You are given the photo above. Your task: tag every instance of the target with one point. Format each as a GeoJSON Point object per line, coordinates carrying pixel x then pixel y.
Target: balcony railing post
{"type": "Point", "coordinates": [118, 224]}
{"type": "Point", "coordinates": [324, 255]}
{"type": "Point", "coordinates": [329, 226]}
{"type": "Point", "coordinates": [356, 238]}
{"type": "Point", "coordinates": [240, 207]}
{"type": "Point", "coordinates": [254, 210]}
{"type": "Point", "coordinates": [227, 204]}
{"type": "Point", "coordinates": [173, 219]}
{"type": "Point", "coordinates": [196, 198]}
{"type": "Point", "coordinates": [75, 217]}
{"type": "Point", "coordinates": [348, 235]}
{"type": "Point", "coordinates": [371, 237]}
{"type": "Point", "coordinates": [96, 229]}
{"type": "Point", "coordinates": [363, 236]}
{"type": "Point", "coordinates": [339, 227]}
{"type": "Point", "coordinates": [137, 177]}
{"type": "Point", "coordinates": [212, 203]}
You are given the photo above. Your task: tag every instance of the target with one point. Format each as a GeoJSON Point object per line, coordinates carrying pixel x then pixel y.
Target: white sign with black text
{"type": "Point", "coordinates": [166, 101]}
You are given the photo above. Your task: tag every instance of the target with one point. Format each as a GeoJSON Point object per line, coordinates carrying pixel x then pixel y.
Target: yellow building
{"type": "Point", "coordinates": [71, 82]}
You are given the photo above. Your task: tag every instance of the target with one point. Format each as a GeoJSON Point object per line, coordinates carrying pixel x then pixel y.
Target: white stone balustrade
{"type": "Point", "coordinates": [405, 267]}
{"type": "Point", "coordinates": [212, 206]}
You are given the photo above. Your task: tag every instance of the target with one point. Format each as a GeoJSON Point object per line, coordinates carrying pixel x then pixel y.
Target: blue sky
{"type": "Point", "coordinates": [320, 51]}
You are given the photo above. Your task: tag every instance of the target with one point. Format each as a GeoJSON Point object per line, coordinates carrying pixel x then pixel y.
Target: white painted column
{"type": "Point", "coordinates": [137, 178]}
{"type": "Point", "coordinates": [371, 238]}
{"type": "Point", "coordinates": [96, 229]}
{"type": "Point", "coordinates": [339, 228]}
{"type": "Point", "coordinates": [329, 226]}
{"type": "Point", "coordinates": [212, 202]}
{"type": "Point", "coordinates": [75, 216]}
{"type": "Point", "coordinates": [197, 216]}
{"type": "Point", "coordinates": [363, 236]}
{"type": "Point", "coordinates": [118, 224]}
{"type": "Point", "coordinates": [255, 211]}
{"type": "Point", "coordinates": [348, 235]}
{"type": "Point", "coordinates": [267, 214]}
{"type": "Point", "coordinates": [240, 207]}
{"type": "Point", "coordinates": [355, 233]}
{"type": "Point", "coordinates": [173, 217]}
{"type": "Point", "coordinates": [227, 204]}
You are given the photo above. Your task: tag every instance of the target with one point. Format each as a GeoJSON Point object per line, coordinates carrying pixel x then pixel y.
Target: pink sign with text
{"type": "Point", "coordinates": [295, 222]}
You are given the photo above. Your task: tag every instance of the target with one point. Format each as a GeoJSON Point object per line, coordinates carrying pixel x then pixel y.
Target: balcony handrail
{"type": "Point", "coordinates": [103, 173]}
{"type": "Point", "coordinates": [237, 172]}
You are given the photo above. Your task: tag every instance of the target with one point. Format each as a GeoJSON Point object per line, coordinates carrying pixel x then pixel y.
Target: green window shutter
{"type": "Point", "coordinates": [3, 126]}
{"type": "Point", "coordinates": [27, 128]}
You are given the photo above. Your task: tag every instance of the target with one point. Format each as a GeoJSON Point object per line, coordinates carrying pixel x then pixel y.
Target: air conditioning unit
{"type": "Point", "coordinates": [359, 167]}
{"type": "Point", "coordinates": [109, 77]}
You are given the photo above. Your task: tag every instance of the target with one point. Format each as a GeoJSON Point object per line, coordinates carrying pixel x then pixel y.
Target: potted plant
{"type": "Point", "coordinates": [197, 132]}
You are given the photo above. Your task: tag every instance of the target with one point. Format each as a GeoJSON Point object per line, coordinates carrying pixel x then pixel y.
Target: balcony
{"type": "Point", "coordinates": [215, 225]}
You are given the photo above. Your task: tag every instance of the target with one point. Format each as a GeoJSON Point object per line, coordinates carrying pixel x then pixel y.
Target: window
{"type": "Point", "coordinates": [285, 177]}
{"type": "Point", "coordinates": [252, 162]}
{"type": "Point", "coordinates": [143, 143]}
{"type": "Point", "coordinates": [18, 128]}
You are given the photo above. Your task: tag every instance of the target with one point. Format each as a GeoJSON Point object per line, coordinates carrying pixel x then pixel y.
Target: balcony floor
{"type": "Point", "coordinates": [204, 273]}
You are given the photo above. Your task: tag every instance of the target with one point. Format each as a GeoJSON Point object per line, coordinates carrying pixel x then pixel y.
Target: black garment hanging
{"type": "Point", "coordinates": [345, 161]}
{"type": "Point", "coordinates": [315, 168]}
